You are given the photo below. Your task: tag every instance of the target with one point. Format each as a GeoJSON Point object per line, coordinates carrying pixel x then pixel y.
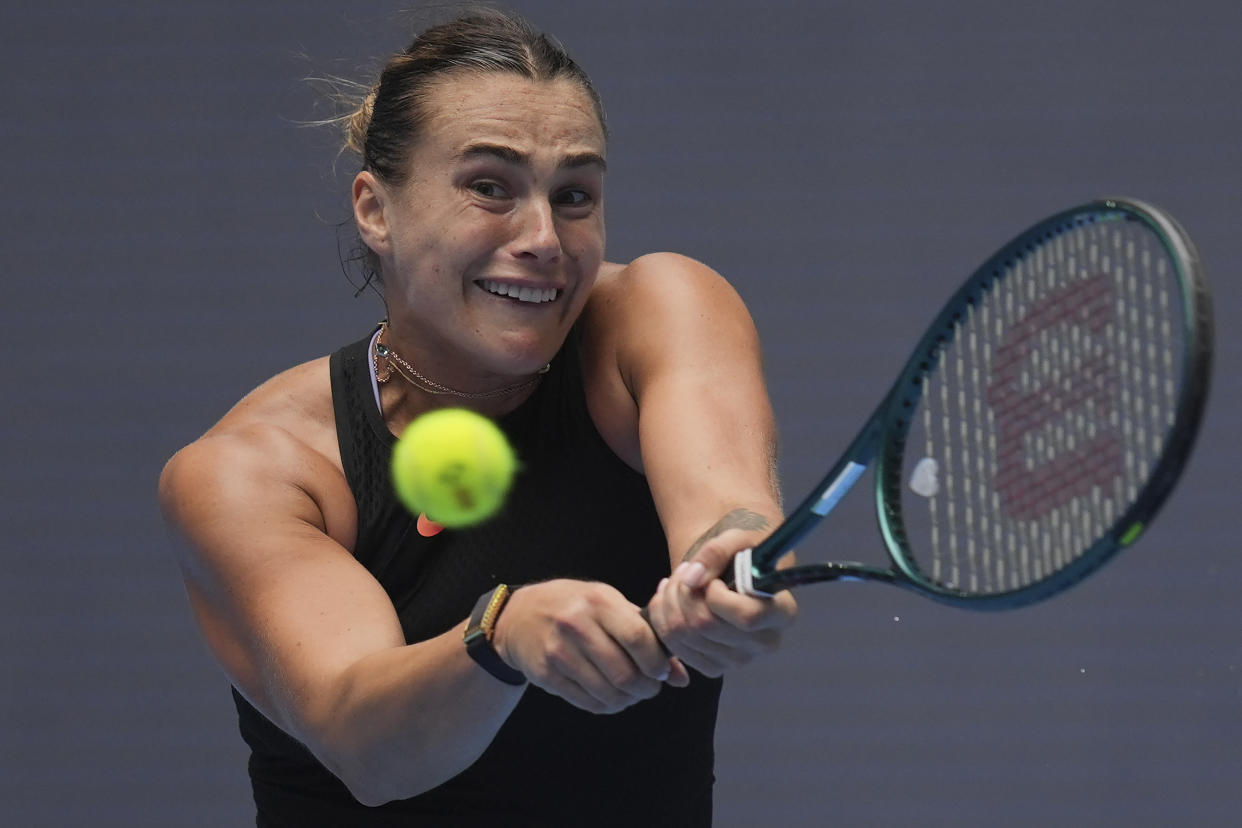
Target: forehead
{"type": "Point", "coordinates": [531, 116]}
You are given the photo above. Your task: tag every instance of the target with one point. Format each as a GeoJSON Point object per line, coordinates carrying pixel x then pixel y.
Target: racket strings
{"type": "Point", "coordinates": [1046, 410]}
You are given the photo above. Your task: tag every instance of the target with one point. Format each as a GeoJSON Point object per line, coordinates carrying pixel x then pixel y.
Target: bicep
{"type": "Point", "coordinates": [284, 607]}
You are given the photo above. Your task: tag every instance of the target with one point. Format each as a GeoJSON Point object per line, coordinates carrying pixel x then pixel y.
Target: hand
{"type": "Point", "coordinates": [707, 625]}
{"type": "Point", "coordinates": [583, 641]}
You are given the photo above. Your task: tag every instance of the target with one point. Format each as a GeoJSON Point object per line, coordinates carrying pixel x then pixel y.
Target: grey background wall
{"type": "Point", "coordinates": [170, 241]}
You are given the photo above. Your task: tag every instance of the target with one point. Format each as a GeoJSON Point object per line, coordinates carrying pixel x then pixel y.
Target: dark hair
{"type": "Point", "coordinates": [388, 121]}
{"type": "Point", "coordinates": [385, 124]}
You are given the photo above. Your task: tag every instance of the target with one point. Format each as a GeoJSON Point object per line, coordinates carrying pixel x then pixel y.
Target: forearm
{"type": "Point", "coordinates": [401, 721]}
{"type": "Point", "coordinates": [758, 521]}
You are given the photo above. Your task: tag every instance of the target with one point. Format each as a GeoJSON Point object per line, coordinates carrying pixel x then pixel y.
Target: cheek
{"type": "Point", "coordinates": [585, 243]}
{"type": "Point", "coordinates": [440, 244]}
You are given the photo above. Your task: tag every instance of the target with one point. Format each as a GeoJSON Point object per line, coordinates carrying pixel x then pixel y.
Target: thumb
{"type": "Point", "coordinates": [678, 676]}
{"type": "Point", "coordinates": [712, 557]}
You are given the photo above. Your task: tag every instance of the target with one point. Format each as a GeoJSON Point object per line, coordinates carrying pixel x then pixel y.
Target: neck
{"type": "Point", "coordinates": [391, 362]}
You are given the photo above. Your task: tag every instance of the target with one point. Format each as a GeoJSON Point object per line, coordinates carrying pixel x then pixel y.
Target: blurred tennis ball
{"type": "Point", "coordinates": [454, 466]}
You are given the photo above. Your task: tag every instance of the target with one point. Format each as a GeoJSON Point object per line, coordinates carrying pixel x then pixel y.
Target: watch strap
{"type": "Point", "coordinates": [479, 632]}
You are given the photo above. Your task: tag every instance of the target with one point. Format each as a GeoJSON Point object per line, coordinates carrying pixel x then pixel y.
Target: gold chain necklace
{"type": "Point", "coordinates": [407, 372]}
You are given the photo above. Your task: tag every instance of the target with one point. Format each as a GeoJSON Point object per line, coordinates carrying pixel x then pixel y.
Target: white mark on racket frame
{"type": "Point", "coordinates": [837, 488]}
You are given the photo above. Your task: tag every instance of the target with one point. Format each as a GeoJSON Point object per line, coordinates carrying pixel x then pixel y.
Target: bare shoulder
{"type": "Point", "coordinates": [656, 281]}
{"type": "Point", "coordinates": [663, 307]}
{"type": "Point", "coordinates": [281, 437]}
{"type": "Point", "coordinates": [298, 399]}
{"type": "Point", "coordinates": [268, 522]}
{"type": "Point", "coordinates": [646, 318]}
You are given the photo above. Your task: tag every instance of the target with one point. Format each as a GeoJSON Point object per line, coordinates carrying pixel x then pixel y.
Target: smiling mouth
{"type": "Point", "coordinates": [530, 295]}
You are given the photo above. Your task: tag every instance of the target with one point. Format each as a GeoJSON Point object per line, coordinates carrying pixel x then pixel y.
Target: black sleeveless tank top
{"type": "Point", "coordinates": [575, 511]}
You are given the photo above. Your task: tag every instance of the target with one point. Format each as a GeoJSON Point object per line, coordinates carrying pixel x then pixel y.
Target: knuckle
{"type": "Point", "coordinates": [567, 624]}
{"type": "Point", "coordinates": [593, 705]}
{"type": "Point", "coordinates": [556, 655]}
{"type": "Point", "coordinates": [637, 684]}
{"type": "Point", "coordinates": [699, 623]}
{"type": "Point", "coordinates": [595, 594]}
{"type": "Point", "coordinates": [633, 636]}
{"type": "Point", "coordinates": [625, 680]}
{"type": "Point", "coordinates": [615, 702]}
{"type": "Point", "coordinates": [619, 678]}
{"type": "Point", "coordinates": [640, 639]}
{"type": "Point", "coordinates": [752, 618]}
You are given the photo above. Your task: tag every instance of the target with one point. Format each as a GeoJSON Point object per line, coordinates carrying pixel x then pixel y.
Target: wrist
{"type": "Point", "coordinates": [480, 634]}
{"type": "Point", "coordinates": [501, 629]}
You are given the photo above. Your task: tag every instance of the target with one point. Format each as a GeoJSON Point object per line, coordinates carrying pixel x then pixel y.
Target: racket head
{"type": "Point", "coordinates": [1047, 413]}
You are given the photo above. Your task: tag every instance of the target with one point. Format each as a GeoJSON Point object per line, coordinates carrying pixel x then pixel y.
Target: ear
{"type": "Point", "coordinates": [369, 200]}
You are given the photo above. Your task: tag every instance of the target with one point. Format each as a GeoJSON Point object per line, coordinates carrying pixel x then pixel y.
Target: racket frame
{"type": "Point", "coordinates": [881, 440]}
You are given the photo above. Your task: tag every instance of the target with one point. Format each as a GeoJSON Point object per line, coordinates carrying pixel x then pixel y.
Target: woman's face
{"type": "Point", "coordinates": [493, 243]}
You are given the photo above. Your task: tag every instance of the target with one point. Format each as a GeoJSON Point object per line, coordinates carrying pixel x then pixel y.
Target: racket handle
{"type": "Point", "coordinates": [741, 576]}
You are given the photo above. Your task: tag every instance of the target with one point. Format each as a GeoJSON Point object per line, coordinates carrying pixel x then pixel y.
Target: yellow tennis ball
{"type": "Point", "coordinates": [454, 466]}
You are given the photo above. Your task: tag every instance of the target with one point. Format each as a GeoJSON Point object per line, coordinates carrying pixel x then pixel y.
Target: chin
{"type": "Point", "coordinates": [529, 355]}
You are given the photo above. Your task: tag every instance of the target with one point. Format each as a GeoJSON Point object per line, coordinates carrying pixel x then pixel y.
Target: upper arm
{"type": "Point", "coordinates": [284, 606]}
{"type": "Point", "coordinates": [689, 353]}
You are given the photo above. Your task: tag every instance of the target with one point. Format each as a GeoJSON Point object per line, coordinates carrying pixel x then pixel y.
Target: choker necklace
{"type": "Point", "coordinates": [393, 363]}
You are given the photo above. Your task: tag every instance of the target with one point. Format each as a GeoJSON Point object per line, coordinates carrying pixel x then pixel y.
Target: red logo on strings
{"type": "Point", "coordinates": [1036, 391]}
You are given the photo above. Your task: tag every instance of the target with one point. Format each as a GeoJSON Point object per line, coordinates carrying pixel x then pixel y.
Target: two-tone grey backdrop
{"type": "Point", "coordinates": [169, 242]}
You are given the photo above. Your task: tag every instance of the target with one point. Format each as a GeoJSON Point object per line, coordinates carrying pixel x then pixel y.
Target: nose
{"type": "Point", "coordinates": [538, 237]}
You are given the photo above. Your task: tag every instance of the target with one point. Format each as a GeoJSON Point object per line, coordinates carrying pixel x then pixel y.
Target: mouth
{"type": "Point", "coordinates": [520, 293]}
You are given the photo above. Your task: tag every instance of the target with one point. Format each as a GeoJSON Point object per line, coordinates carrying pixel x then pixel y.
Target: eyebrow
{"type": "Point", "coordinates": [511, 156]}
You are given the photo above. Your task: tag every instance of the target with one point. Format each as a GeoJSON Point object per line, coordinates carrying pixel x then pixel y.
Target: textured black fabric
{"type": "Point", "coordinates": [575, 511]}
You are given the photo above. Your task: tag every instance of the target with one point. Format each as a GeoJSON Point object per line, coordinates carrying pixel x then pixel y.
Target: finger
{"type": "Point", "coordinates": [665, 610]}
{"type": "Point", "coordinates": [683, 619]}
{"type": "Point", "coordinates": [571, 691]}
{"type": "Point", "coordinates": [710, 644]}
{"type": "Point", "coordinates": [714, 557]}
{"type": "Point", "coordinates": [654, 614]}
{"type": "Point", "coordinates": [640, 665]}
{"type": "Point", "coordinates": [696, 659]}
{"type": "Point", "coordinates": [697, 617]}
{"type": "Point", "coordinates": [678, 675]}
{"type": "Point", "coordinates": [575, 671]}
{"type": "Point", "coordinates": [750, 614]}
{"type": "Point", "coordinates": [622, 660]}
{"type": "Point", "coordinates": [635, 634]}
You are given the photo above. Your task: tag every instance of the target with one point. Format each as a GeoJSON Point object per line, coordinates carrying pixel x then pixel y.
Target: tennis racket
{"type": "Point", "coordinates": [1040, 423]}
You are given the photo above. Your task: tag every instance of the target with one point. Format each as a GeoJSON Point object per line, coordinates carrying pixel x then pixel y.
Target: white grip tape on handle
{"type": "Point", "coordinates": [743, 575]}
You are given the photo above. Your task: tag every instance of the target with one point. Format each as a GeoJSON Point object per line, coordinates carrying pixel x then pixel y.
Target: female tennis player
{"type": "Point", "coordinates": [387, 673]}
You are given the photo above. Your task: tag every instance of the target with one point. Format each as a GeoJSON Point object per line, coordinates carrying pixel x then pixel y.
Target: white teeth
{"type": "Point", "coordinates": [522, 294]}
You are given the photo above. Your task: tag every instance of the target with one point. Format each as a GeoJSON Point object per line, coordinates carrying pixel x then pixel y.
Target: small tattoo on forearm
{"type": "Point", "coordinates": [737, 519]}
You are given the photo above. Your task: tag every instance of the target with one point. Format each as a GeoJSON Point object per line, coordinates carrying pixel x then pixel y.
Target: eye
{"type": "Point", "coordinates": [572, 198]}
{"type": "Point", "coordinates": [489, 189]}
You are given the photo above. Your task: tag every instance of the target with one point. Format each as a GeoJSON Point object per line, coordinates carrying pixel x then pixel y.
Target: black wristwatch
{"type": "Point", "coordinates": [479, 631]}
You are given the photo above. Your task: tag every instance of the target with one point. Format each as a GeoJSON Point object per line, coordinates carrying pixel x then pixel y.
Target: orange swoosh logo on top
{"type": "Point", "coordinates": [427, 527]}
